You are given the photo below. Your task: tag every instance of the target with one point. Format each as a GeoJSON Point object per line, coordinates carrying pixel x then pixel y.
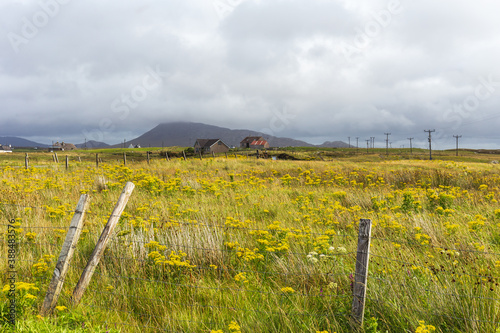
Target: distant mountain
{"type": "Point", "coordinates": [92, 144]}
{"type": "Point", "coordinates": [334, 144]}
{"type": "Point", "coordinates": [184, 134]}
{"type": "Point", "coordinates": [20, 142]}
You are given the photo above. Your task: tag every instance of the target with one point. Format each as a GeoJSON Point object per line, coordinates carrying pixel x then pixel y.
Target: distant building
{"type": "Point", "coordinates": [62, 146]}
{"type": "Point", "coordinates": [5, 149]}
{"type": "Point", "coordinates": [208, 146]}
{"type": "Point", "coordinates": [259, 144]}
{"type": "Point", "coordinates": [132, 146]}
{"type": "Point", "coordinates": [246, 142]}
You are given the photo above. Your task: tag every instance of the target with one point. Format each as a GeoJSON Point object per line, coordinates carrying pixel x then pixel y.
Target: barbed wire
{"type": "Point", "coordinates": [445, 248]}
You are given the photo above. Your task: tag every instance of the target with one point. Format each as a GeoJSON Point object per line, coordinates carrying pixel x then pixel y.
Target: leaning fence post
{"type": "Point", "coordinates": [166, 155]}
{"type": "Point", "coordinates": [64, 260]}
{"type": "Point", "coordinates": [361, 275]}
{"type": "Point", "coordinates": [184, 154]}
{"type": "Point", "coordinates": [102, 243]}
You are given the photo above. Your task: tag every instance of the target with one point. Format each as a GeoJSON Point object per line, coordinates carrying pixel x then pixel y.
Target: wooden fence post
{"type": "Point", "coordinates": [361, 275]}
{"type": "Point", "coordinates": [64, 260]}
{"type": "Point", "coordinates": [184, 154]}
{"type": "Point", "coordinates": [226, 155]}
{"type": "Point", "coordinates": [26, 163]}
{"type": "Point", "coordinates": [124, 158]}
{"type": "Point", "coordinates": [67, 162]}
{"type": "Point", "coordinates": [166, 155]}
{"type": "Point", "coordinates": [57, 159]}
{"type": "Point", "coordinates": [102, 243]}
{"type": "Point", "coordinates": [213, 155]}
{"type": "Point", "coordinates": [97, 160]}
{"type": "Point", "coordinates": [147, 156]}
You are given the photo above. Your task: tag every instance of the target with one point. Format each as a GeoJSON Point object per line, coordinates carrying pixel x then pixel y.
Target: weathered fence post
{"type": "Point", "coordinates": [124, 158]}
{"type": "Point", "coordinates": [147, 156]}
{"type": "Point", "coordinates": [57, 159]}
{"type": "Point", "coordinates": [213, 155]}
{"type": "Point", "coordinates": [54, 158]}
{"type": "Point", "coordinates": [26, 163]}
{"type": "Point", "coordinates": [67, 162]}
{"type": "Point", "coordinates": [102, 243]}
{"type": "Point", "coordinates": [79, 159]}
{"type": "Point", "coordinates": [184, 154]}
{"type": "Point", "coordinates": [361, 275]}
{"type": "Point", "coordinates": [97, 160]}
{"type": "Point", "coordinates": [166, 155]}
{"type": "Point", "coordinates": [64, 260]}
{"type": "Point", "coordinates": [226, 155]}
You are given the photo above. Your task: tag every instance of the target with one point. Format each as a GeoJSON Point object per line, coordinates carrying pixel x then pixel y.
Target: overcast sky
{"type": "Point", "coordinates": [314, 70]}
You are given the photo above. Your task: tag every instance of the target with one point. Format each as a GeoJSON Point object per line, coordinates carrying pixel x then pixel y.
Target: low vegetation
{"type": "Point", "coordinates": [258, 245]}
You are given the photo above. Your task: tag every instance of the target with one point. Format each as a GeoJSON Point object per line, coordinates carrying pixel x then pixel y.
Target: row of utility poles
{"type": "Point", "coordinates": [370, 143]}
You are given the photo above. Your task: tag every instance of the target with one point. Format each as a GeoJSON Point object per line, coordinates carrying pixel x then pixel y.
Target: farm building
{"type": "Point", "coordinates": [5, 149]}
{"type": "Point", "coordinates": [246, 142]}
{"type": "Point", "coordinates": [62, 146]}
{"type": "Point", "coordinates": [208, 146]}
{"type": "Point", "coordinates": [259, 144]}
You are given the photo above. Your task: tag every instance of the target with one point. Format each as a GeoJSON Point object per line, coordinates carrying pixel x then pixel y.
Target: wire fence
{"type": "Point", "coordinates": [200, 276]}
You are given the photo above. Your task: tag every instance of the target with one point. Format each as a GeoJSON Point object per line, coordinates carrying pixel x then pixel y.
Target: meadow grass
{"type": "Point", "coordinates": [245, 244]}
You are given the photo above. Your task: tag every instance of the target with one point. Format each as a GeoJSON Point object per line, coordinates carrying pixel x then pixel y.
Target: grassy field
{"type": "Point", "coordinates": [241, 244]}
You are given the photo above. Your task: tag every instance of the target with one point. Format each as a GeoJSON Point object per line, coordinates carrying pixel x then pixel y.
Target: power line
{"type": "Point", "coordinates": [456, 137]}
{"type": "Point", "coordinates": [387, 143]}
{"type": "Point", "coordinates": [411, 148]}
{"type": "Point", "coordinates": [430, 142]}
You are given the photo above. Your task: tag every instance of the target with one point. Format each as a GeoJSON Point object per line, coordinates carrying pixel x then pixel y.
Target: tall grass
{"type": "Point", "coordinates": [268, 246]}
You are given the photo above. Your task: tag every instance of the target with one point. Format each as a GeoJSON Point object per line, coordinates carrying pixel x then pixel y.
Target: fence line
{"type": "Point", "coordinates": [371, 277]}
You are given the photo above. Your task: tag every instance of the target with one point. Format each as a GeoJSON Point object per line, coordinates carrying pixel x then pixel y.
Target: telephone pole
{"type": "Point", "coordinates": [456, 137]}
{"type": "Point", "coordinates": [411, 152]}
{"type": "Point", "coordinates": [373, 141]}
{"type": "Point", "coordinates": [430, 142]}
{"type": "Point", "coordinates": [387, 143]}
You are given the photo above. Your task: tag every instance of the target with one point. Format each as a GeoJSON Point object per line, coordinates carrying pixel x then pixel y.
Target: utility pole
{"type": "Point", "coordinates": [387, 143]}
{"type": "Point", "coordinates": [430, 142]}
{"type": "Point", "coordinates": [349, 140]}
{"type": "Point", "coordinates": [411, 152]}
{"type": "Point", "coordinates": [368, 145]}
{"type": "Point", "coordinates": [373, 141]}
{"type": "Point", "coordinates": [456, 137]}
